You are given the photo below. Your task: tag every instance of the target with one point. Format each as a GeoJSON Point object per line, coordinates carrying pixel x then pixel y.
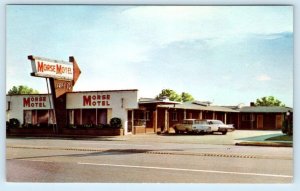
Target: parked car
{"type": "Point", "coordinates": [192, 126]}
{"type": "Point", "coordinates": [219, 126]}
{"type": "Point", "coordinates": [202, 126]}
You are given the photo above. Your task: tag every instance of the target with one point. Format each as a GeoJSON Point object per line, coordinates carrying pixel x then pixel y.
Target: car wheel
{"type": "Point", "coordinates": [224, 132]}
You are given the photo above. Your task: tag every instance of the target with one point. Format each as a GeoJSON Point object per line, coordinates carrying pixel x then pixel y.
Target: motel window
{"type": "Point", "coordinates": [247, 117]}
{"type": "Point", "coordinates": [39, 117]}
{"type": "Point", "coordinates": [77, 117]}
{"type": "Point", "coordinates": [71, 117]}
{"type": "Point", "coordinates": [101, 116]}
{"type": "Point", "coordinates": [34, 117]}
{"type": "Point", "coordinates": [27, 117]}
{"type": "Point", "coordinates": [140, 114]}
{"type": "Point", "coordinates": [174, 116]}
{"type": "Point", "coordinates": [147, 115]}
{"type": "Point", "coordinates": [89, 116]}
{"type": "Point", "coordinates": [42, 116]}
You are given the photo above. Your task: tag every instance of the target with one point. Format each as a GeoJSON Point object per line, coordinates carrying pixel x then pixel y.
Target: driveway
{"type": "Point", "coordinates": [218, 139]}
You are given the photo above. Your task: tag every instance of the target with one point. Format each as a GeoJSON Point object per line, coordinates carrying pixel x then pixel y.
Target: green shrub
{"type": "Point", "coordinates": [116, 123]}
{"type": "Point", "coordinates": [14, 123]}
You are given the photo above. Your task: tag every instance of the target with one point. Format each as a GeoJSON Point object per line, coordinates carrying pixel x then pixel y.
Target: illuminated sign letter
{"type": "Point", "coordinates": [87, 100]}
{"type": "Point", "coordinates": [26, 102]}
{"type": "Point", "coordinates": [58, 69]}
{"type": "Point", "coordinates": [40, 66]}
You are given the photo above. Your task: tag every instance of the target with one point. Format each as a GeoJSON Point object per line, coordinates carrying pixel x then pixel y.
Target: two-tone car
{"type": "Point", "coordinates": [192, 126]}
{"type": "Point", "coordinates": [202, 126]}
{"type": "Point", "coordinates": [219, 126]}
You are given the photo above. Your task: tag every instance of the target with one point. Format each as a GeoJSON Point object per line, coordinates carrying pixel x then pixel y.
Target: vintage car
{"type": "Point", "coordinates": [202, 126]}
{"type": "Point", "coordinates": [219, 126]}
{"type": "Point", "coordinates": [192, 126]}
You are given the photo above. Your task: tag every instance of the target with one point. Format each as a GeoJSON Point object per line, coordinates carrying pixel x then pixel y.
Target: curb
{"type": "Point", "coordinates": [265, 144]}
{"type": "Point", "coordinates": [145, 151]}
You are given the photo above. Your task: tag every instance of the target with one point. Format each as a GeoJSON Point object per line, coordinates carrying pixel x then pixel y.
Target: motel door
{"type": "Point", "coordinates": [279, 121]}
{"type": "Point", "coordinates": [260, 121]}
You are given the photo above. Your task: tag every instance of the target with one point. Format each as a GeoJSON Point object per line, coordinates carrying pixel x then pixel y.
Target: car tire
{"type": "Point", "coordinates": [224, 132]}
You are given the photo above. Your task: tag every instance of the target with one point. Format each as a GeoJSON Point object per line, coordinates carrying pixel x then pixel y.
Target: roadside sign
{"type": "Point", "coordinates": [62, 86]}
{"type": "Point", "coordinates": [48, 68]}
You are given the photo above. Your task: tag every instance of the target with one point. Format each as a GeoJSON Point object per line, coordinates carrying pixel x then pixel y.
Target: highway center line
{"type": "Point", "coordinates": [188, 170]}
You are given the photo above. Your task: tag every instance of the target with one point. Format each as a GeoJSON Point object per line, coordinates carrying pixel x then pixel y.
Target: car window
{"type": "Point", "coordinates": [216, 122]}
{"type": "Point", "coordinates": [200, 122]}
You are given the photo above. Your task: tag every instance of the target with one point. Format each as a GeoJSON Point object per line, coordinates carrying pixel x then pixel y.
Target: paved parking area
{"type": "Point", "coordinates": [215, 139]}
{"type": "Point", "coordinates": [218, 139]}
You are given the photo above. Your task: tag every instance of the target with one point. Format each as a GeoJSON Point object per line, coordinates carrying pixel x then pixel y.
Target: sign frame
{"type": "Point", "coordinates": [49, 68]}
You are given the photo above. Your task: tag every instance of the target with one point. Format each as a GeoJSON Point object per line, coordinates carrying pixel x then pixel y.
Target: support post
{"type": "Point", "coordinates": [166, 121]}
{"type": "Point", "coordinates": [155, 120]}
{"type": "Point", "coordinates": [59, 105]}
{"type": "Point", "coordinates": [132, 122]}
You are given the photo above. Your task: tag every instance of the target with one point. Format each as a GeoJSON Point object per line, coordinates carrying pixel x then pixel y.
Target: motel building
{"type": "Point", "coordinates": [88, 113]}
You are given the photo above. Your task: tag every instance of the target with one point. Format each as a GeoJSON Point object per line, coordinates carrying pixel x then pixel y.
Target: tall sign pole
{"type": "Point", "coordinates": [62, 76]}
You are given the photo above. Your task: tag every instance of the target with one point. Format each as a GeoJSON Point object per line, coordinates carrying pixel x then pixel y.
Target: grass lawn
{"type": "Point", "coordinates": [280, 138]}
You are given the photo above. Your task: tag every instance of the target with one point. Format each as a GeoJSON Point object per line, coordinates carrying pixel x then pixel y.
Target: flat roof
{"type": "Point", "coordinates": [265, 109]}
{"type": "Point", "coordinates": [156, 101]}
{"type": "Point", "coordinates": [95, 91]}
{"type": "Point", "coordinates": [193, 106]}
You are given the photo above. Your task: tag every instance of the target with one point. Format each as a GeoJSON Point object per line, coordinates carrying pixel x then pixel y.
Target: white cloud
{"type": "Point", "coordinates": [166, 24]}
{"type": "Point", "coordinates": [263, 77]}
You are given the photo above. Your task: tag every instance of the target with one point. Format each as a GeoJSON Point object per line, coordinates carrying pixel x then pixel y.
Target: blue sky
{"type": "Point", "coordinates": [224, 54]}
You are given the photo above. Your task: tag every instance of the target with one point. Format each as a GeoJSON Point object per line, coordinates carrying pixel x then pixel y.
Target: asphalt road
{"type": "Point", "coordinates": [145, 160]}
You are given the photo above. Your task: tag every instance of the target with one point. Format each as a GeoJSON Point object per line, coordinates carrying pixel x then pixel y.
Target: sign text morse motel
{"type": "Point", "coordinates": [35, 102]}
{"type": "Point", "coordinates": [44, 67]}
{"type": "Point", "coordinates": [96, 100]}
{"type": "Point", "coordinates": [87, 100]}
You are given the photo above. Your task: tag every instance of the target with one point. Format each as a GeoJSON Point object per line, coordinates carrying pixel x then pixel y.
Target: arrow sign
{"type": "Point", "coordinates": [76, 69]}
{"type": "Point", "coordinates": [63, 74]}
{"type": "Point", "coordinates": [62, 86]}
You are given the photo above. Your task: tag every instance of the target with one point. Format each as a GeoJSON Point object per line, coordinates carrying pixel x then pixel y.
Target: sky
{"type": "Point", "coordinates": [224, 54]}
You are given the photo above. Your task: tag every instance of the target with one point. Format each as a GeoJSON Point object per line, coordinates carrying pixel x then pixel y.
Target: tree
{"type": "Point", "coordinates": [268, 101]}
{"type": "Point", "coordinates": [21, 90]}
{"type": "Point", "coordinates": [173, 96]}
{"type": "Point", "coordinates": [186, 97]}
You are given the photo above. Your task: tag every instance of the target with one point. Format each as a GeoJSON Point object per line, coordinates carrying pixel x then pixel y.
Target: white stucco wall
{"type": "Point", "coordinates": [19, 103]}
{"type": "Point", "coordinates": [117, 101]}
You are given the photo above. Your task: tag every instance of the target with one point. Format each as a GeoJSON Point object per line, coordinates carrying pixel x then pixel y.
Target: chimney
{"type": "Point", "coordinates": [252, 104]}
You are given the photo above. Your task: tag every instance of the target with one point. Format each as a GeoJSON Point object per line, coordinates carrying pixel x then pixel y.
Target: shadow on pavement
{"type": "Point", "coordinates": [99, 153]}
